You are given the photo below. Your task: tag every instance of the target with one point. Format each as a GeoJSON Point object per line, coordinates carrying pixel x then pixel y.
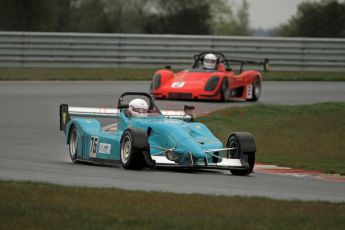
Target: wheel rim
{"type": "Point", "coordinates": [73, 144]}
{"type": "Point", "coordinates": [126, 148]}
{"type": "Point", "coordinates": [233, 154]}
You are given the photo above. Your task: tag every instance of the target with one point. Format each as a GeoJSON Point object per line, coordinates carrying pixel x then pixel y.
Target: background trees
{"type": "Point", "coordinates": [226, 21]}
{"type": "Point", "coordinates": [36, 15]}
{"type": "Point", "coordinates": [124, 16]}
{"type": "Point", "coordinates": [316, 19]}
{"type": "Point", "coordinates": [325, 18]}
{"type": "Point", "coordinates": [179, 17]}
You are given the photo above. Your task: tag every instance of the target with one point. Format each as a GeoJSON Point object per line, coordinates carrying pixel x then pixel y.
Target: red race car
{"type": "Point", "coordinates": [210, 78]}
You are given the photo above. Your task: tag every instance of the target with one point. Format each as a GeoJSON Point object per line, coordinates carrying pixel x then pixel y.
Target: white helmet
{"type": "Point", "coordinates": [210, 61]}
{"type": "Point", "coordinates": [138, 107]}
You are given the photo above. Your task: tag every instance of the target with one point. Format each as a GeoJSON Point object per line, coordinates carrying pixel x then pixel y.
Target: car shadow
{"type": "Point", "coordinates": [165, 169]}
{"type": "Point", "coordinates": [201, 171]}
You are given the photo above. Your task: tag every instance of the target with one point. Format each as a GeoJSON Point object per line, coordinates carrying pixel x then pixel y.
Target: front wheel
{"type": "Point", "coordinates": [73, 144]}
{"type": "Point", "coordinates": [244, 148]}
{"type": "Point", "coordinates": [225, 91]}
{"type": "Point", "coordinates": [134, 150]}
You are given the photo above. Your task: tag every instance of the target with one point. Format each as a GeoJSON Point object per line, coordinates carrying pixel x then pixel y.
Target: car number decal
{"type": "Point", "coordinates": [104, 148]}
{"type": "Point", "coordinates": [178, 84]}
{"type": "Point", "coordinates": [93, 146]}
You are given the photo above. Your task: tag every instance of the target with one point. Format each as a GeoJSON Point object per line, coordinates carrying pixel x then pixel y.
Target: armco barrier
{"type": "Point", "coordinates": [79, 50]}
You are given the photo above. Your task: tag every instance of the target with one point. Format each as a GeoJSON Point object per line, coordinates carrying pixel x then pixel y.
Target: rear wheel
{"type": "Point", "coordinates": [256, 90]}
{"type": "Point", "coordinates": [244, 149]}
{"type": "Point", "coordinates": [73, 144]}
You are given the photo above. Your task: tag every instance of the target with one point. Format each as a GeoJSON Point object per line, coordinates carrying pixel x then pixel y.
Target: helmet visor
{"type": "Point", "coordinates": [140, 110]}
{"type": "Point", "coordinates": [210, 61]}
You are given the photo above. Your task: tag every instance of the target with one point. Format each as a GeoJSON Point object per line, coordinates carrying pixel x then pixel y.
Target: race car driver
{"type": "Point", "coordinates": [138, 108]}
{"type": "Point", "coordinates": [210, 61]}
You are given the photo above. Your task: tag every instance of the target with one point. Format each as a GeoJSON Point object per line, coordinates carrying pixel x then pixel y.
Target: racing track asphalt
{"type": "Point", "coordinates": [33, 148]}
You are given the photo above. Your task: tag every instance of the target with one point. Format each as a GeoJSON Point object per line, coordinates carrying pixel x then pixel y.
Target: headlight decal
{"type": "Point", "coordinates": [212, 83]}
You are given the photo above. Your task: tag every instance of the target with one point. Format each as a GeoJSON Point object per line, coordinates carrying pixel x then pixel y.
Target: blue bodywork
{"type": "Point", "coordinates": [147, 137]}
{"type": "Point", "coordinates": [187, 138]}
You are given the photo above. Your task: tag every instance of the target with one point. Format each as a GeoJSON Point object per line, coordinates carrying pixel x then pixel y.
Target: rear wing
{"type": "Point", "coordinates": [66, 112]}
{"type": "Point", "coordinates": [264, 62]}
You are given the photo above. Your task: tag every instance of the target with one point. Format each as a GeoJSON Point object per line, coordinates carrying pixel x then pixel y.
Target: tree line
{"type": "Point", "coordinates": [325, 18]}
{"type": "Point", "coordinates": [125, 16]}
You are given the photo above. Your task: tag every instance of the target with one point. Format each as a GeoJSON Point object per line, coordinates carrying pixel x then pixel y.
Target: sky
{"type": "Point", "coordinates": [270, 13]}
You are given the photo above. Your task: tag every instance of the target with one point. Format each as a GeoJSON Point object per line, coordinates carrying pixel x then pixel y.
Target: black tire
{"type": "Point", "coordinates": [224, 90]}
{"type": "Point", "coordinates": [73, 144]}
{"type": "Point", "coordinates": [132, 156]}
{"type": "Point", "coordinates": [245, 149]}
{"type": "Point", "coordinates": [256, 91]}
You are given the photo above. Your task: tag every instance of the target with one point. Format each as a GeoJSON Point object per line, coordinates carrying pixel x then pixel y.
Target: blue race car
{"type": "Point", "coordinates": [142, 136]}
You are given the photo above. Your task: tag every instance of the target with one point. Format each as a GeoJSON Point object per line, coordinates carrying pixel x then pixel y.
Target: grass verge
{"type": "Point", "coordinates": [307, 137]}
{"type": "Point", "coordinates": [73, 74]}
{"type": "Point", "coordinates": [25, 205]}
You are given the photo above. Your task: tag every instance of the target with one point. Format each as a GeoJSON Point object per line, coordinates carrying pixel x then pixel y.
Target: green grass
{"type": "Point", "coordinates": [25, 205]}
{"type": "Point", "coordinates": [73, 74]}
{"type": "Point", "coordinates": [307, 137]}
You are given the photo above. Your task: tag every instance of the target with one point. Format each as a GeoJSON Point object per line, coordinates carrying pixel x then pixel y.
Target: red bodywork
{"type": "Point", "coordinates": [197, 83]}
